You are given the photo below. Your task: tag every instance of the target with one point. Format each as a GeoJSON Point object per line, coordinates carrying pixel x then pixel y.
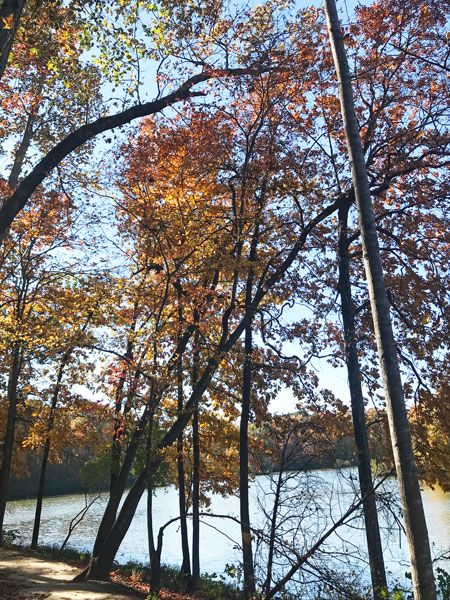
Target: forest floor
{"type": "Point", "coordinates": [28, 575]}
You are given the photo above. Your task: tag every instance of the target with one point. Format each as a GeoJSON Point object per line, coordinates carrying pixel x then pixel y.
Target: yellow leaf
{"type": "Point", "coordinates": [8, 22]}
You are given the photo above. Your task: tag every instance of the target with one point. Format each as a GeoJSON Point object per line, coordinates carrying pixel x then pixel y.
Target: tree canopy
{"type": "Point", "coordinates": [175, 185]}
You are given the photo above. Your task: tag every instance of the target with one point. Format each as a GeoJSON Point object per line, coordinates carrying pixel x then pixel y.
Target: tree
{"type": "Point", "coordinates": [50, 433]}
{"type": "Point", "coordinates": [185, 24]}
{"type": "Point", "coordinates": [292, 539]}
{"type": "Point", "coordinates": [372, 528]}
{"type": "Point", "coordinates": [27, 278]}
{"type": "Point", "coordinates": [422, 572]}
{"type": "Point", "coordinates": [223, 329]}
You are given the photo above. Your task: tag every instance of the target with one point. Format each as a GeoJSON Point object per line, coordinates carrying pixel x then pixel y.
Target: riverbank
{"type": "Point", "coordinates": [37, 575]}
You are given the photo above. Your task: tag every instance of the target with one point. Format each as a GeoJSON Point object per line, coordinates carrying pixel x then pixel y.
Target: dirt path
{"type": "Point", "coordinates": [30, 577]}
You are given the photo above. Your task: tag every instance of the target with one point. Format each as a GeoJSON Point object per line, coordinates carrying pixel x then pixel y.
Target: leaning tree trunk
{"type": "Point", "coordinates": [8, 441]}
{"type": "Point", "coordinates": [372, 529]}
{"type": "Point", "coordinates": [416, 528]}
{"type": "Point", "coordinates": [109, 516]}
{"type": "Point", "coordinates": [101, 564]}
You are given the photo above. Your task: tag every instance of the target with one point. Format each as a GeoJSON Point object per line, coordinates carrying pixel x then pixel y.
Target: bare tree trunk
{"type": "Point", "coordinates": [195, 500]}
{"type": "Point", "coordinates": [186, 564]}
{"type": "Point", "coordinates": [377, 570]}
{"type": "Point", "coordinates": [416, 528]}
{"type": "Point", "coordinates": [151, 542]}
{"type": "Point", "coordinates": [155, 564]}
{"type": "Point", "coordinates": [78, 518]}
{"type": "Point", "coordinates": [247, 554]}
{"type": "Point", "coordinates": [51, 420]}
{"type": "Point", "coordinates": [273, 521]}
{"type": "Point", "coordinates": [195, 469]}
{"type": "Point", "coordinates": [8, 441]}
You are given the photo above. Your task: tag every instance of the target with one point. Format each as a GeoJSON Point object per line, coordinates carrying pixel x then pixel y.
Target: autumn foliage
{"type": "Point", "coordinates": [132, 265]}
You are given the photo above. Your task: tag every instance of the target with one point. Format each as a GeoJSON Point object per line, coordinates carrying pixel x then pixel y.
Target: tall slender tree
{"type": "Point", "coordinates": [372, 528]}
{"type": "Point", "coordinates": [417, 534]}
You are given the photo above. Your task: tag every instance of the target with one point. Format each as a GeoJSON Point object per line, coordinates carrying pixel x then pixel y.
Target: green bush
{"type": "Point", "coordinates": [443, 583]}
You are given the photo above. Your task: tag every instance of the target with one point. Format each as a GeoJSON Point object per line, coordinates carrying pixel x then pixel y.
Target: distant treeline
{"type": "Point", "coordinates": [64, 477]}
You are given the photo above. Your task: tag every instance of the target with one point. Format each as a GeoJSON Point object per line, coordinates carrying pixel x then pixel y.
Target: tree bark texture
{"type": "Point", "coordinates": [416, 528]}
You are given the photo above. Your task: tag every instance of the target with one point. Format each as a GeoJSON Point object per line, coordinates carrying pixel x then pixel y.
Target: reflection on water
{"type": "Point", "coordinates": [220, 537]}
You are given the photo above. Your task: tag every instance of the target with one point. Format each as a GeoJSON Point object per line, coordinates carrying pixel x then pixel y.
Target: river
{"type": "Point", "coordinates": [313, 500]}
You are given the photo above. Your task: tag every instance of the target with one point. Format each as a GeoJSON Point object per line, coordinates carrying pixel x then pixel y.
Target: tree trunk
{"type": "Point", "coordinates": [195, 468]}
{"type": "Point", "coordinates": [155, 564]}
{"type": "Point", "coordinates": [8, 441]}
{"type": "Point", "coordinates": [51, 420]}
{"type": "Point", "coordinates": [416, 528]}
{"type": "Point", "coordinates": [195, 501]}
{"type": "Point", "coordinates": [247, 554]}
{"type": "Point", "coordinates": [40, 495]}
{"type": "Point", "coordinates": [101, 564]}
{"type": "Point", "coordinates": [10, 13]}
{"type": "Point", "coordinates": [273, 522]}
{"type": "Point", "coordinates": [377, 570]}
{"type": "Point", "coordinates": [186, 564]}
{"type": "Point", "coordinates": [151, 543]}
{"type": "Point", "coordinates": [150, 536]}
{"type": "Point", "coordinates": [21, 151]}
{"type": "Point", "coordinates": [109, 516]}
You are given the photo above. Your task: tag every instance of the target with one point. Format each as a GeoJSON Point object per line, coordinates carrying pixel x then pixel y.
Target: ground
{"type": "Point", "coordinates": [28, 576]}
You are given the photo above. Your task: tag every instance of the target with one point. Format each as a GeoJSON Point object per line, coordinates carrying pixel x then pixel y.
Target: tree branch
{"type": "Point", "coordinates": [17, 201]}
